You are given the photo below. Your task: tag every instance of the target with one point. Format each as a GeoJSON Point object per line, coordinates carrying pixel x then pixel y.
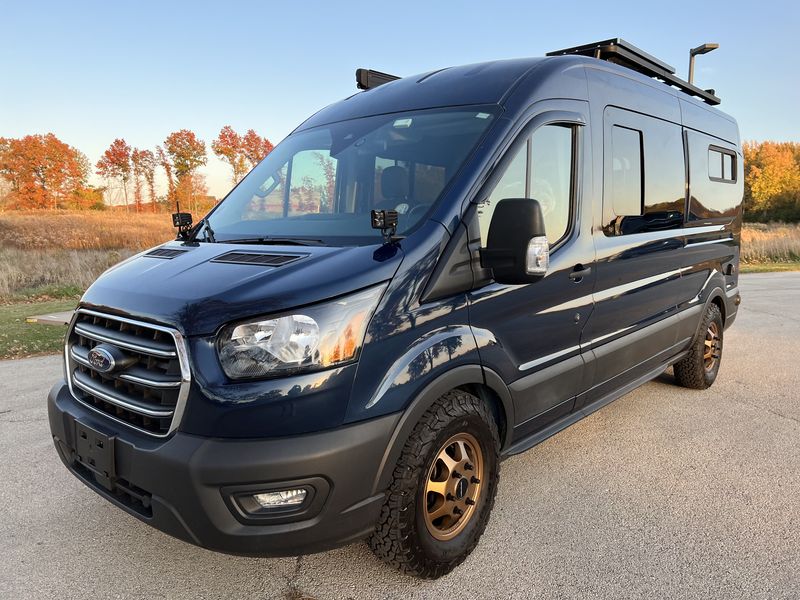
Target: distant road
{"type": "Point", "coordinates": [666, 493]}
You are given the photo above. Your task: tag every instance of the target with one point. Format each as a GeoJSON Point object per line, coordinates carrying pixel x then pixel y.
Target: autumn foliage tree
{"type": "Point", "coordinates": [41, 171]}
{"type": "Point", "coordinates": [255, 147]}
{"type": "Point", "coordinates": [187, 153]}
{"type": "Point", "coordinates": [772, 181]}
{"type": "Point", "coordinates": [228, 147]}
{"type": "Point", "coordinates": [242, 153]}
{"type": "Point", "coordinates": [144, 168]}
{"type": "Point", "coordinates": [116, 164]}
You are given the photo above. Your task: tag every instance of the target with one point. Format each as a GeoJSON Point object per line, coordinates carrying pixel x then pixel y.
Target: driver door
{"type": "Point", "coordinates": [530, 334]}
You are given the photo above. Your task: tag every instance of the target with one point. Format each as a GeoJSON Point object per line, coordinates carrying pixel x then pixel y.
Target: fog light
{"type": "Point", "coordinates": [281, 498]}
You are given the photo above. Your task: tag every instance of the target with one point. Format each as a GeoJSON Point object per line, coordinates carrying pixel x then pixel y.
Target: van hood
{"type": "Point", "coordinates": [198, 287]}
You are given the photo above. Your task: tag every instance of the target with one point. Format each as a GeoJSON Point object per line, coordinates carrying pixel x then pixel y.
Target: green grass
{"type": "Point", "coordinates": [19, 339]}
{"type": "Point", "coordinates": [769, 267]}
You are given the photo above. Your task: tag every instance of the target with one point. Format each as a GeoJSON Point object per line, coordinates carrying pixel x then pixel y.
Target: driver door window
{"type": "Point", "coordinates": [541, 169]}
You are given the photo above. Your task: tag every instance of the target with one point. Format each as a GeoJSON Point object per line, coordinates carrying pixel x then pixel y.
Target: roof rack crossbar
{"type": "Point", "coordinates": [620, 52]}
{"type": "Point", "coordinates": [366, 79]}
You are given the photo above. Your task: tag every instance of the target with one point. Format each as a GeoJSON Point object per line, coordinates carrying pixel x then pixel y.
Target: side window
{"type": "Point", "coordinates": [645, 174]}
{"type": "Point", "coordinates": [551, 177]}
{"type": "Point", "coordinates": [626, 171]}
{"type": "Point", "coordinates": [511, 185]}
{"type": "Point", "coordinates": [541, 169]}
{"type": "Point", "coordinates": [721, 166]}
{"type": "Point", "coordinates": [715, 189]}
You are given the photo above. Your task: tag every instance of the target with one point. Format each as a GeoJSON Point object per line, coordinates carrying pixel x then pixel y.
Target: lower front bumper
{"type": "Point", "coordinates": [181, 485]}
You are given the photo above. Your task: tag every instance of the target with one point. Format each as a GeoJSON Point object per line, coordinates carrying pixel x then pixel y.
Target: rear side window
{"type": "Point", "coordinates": [715, 189]}
{"type": "Point", "coordinates": [721, 165]}
{"type": "Point", "coordinates": [645, 174]}
{"type": "Point", "coordinates": [626, 171]}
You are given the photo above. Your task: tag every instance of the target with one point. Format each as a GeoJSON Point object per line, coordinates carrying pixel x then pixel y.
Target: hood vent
{"type": "Point", "coordinates": [165, 253]}
{"type": "Point", "coordinates": [257, 258]}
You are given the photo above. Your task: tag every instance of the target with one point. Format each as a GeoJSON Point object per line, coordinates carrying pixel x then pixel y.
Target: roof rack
{"type": "Point", "coordinates": [620, 52]}
{"type": "Point", "coordinates": [366, 79]}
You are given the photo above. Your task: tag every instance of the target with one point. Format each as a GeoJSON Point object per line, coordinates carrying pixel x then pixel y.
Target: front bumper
{"type": "Point", "coordinates": [182, 485]}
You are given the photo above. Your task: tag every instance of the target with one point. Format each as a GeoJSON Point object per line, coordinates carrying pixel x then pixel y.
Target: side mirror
{"type": "Point", "coordinates": [516, 250]}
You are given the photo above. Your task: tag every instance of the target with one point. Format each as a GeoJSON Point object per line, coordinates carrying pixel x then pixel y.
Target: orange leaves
{"type": "Point", "coordinates": [772, 179]}
{"type": "Point", "coordinates": [242, 153]}
{"type": "Point", "coordinates": [255, 147]}
{"type": "Point", "coordinates": [186, 150]}
{"type": "Point", "coordinates": [43, 172]}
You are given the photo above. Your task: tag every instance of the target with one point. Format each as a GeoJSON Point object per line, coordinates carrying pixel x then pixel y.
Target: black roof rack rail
{"type": "Point", "coordinates": [366, 79]}
{"type": "Point", "coordinates": [620, 52]}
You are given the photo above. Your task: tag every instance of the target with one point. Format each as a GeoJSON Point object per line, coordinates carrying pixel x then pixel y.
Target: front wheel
{"type": "Point", "coordinates": [699, 368]}
{"type": "Point", "coordinates": [443, 488]}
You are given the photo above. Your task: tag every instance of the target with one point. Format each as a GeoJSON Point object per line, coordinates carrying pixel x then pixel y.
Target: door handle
{"type": "Point", "coordinates": [579, 272]}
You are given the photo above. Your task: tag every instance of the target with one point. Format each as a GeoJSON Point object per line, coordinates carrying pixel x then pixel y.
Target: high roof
{"type": "Point", "coordinates": [482, 83]}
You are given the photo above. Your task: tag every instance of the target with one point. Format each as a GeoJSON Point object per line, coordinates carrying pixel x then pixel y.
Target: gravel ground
{"type": "Point", "coordinates": [666, 492]}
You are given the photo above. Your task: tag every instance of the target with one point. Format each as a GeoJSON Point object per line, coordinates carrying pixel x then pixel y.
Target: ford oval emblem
{"type": "Point", "coordinates": [101, 360]}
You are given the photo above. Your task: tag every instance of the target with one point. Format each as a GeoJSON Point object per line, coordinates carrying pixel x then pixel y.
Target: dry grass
{"type": "Point", "coordinates": [52, 273]}
{"type": "Point", "coordinates": [772, 243]}
{"type": "Point", "coordinates": [58, 254]}
{"type": "Point", "coordinates": [84, 230]}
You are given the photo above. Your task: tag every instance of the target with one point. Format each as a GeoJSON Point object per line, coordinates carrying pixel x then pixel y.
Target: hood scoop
{"type": "Point", "coordinates": [257, 258]}
{"type": "Point", "coordinates": [165, 253]}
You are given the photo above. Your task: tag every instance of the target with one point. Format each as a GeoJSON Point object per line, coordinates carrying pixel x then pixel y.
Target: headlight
{"type": "Point", "coordinates": [315, 337]}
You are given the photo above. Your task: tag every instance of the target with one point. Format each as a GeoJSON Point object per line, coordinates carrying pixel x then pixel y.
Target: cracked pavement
{"type": "Point", "coordinates": [664, 493]}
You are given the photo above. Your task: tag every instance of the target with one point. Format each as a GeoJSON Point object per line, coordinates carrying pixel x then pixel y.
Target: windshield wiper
{"type": "Point", "coordinates": [275, 241]}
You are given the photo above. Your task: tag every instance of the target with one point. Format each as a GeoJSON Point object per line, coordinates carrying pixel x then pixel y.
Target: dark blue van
{"type": "Point", "coordinates": [421, 280]}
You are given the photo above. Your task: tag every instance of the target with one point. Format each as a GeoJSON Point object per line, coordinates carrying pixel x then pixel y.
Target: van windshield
{"type": "Point", "coordinates": [320, 185]}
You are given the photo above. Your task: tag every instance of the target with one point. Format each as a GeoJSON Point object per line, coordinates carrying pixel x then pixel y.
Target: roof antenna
{"type": "Point", "coordinates": [704, 49]}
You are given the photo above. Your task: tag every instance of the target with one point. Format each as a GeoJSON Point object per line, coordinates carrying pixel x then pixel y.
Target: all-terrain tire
{"type": "Point", "coordinates": [697, 370]}
{"type": "Point", "coordinates": [402, 537]}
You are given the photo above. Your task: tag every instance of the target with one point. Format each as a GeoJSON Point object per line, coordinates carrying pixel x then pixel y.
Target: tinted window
{"type": "Point", "coordinates": [714, 191]}
{"type": "Point", "coordinates": [727, 167]}
{"type": "Point", "coordinates": [645, 186]}
{"type": "Point", "coordinates": [714, 164]}
{"type": "Point", "coordinates": [541, 169]}
{"type": "Point", "coordinates": [551, 177]}
{"type": "Point", "coordinates": [511, 185]}
{"type": "Point", "coordinates": [626, 171]}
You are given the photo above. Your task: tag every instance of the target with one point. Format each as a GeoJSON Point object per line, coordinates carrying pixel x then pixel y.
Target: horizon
{"type": "Point", "coordinates": [120, 80]}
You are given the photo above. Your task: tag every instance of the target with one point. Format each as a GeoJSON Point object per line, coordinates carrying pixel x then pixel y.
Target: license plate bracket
{"type": "Point", "coordinates": [95, 451]}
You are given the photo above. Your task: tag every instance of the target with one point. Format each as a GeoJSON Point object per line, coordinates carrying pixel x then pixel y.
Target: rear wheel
{"type": "Point", "coordinates": [443, 488]}
{"type": "Point", "coordinates": [699, 368]}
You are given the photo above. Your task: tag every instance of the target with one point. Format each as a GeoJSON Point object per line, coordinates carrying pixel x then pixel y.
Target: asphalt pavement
{"type": "Point", "coordinates": [665, 493]}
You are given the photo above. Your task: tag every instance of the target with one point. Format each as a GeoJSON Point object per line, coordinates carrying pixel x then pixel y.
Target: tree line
{"type": "Point", "coordinates": [42, 172]}
{"type": "Point", "coordinates": [772, 181]}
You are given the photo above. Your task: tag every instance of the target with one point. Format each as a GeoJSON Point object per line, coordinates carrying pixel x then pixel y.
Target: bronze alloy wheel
{"type": "Point", "coordinates": [453, 486]}
{"type": "Point", "coordinates": [711, 352]}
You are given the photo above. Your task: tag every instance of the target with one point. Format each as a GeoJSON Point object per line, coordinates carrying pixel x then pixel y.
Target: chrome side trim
{"type": "Point", "coordinates": [548, 358]}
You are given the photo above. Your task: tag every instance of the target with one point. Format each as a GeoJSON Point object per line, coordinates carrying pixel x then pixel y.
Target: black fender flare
{"type": "Point", "coordinates": [459, 376]}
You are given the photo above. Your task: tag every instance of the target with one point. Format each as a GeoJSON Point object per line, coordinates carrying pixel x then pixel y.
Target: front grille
{"type": "Point", "coordinates": [148, 387]}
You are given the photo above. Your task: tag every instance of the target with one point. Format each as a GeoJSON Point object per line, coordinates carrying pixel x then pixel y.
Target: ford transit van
{"type": "Point", "coordinates": [423, 279]}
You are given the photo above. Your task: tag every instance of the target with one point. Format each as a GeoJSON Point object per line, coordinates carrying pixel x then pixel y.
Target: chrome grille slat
{"type": "Point", "coordinates": [87, 384]}
{"type": "Point", "coordinates": [99, 334]}
{"type": "Point", "coordinates": [148, 389]}
{"type": "Point", "coordinates": [134, 375]}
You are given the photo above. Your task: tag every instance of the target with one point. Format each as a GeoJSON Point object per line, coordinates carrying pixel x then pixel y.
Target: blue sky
{"type": "Point", "coordinates": [93, 71]}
